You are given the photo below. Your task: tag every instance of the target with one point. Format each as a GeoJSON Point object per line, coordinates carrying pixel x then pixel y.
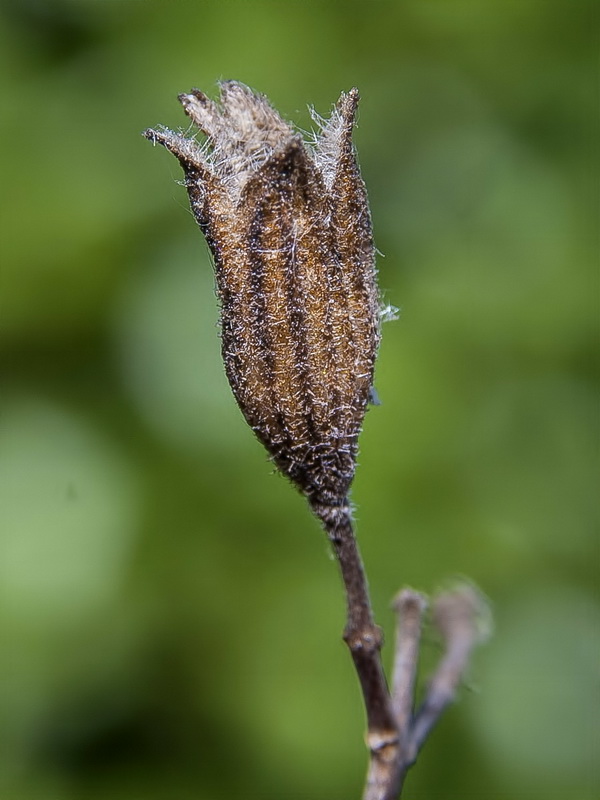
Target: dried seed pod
{"type": "Point", "coordinates": [289, 228]}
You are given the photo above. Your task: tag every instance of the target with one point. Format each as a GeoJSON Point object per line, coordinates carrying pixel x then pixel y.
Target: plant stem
{"type": "Point", "coordinates": [364, 639]}
{"type": "Point", "coordinates": [457, 615]}
{"type": "Point", "coordinates": [395, 734]}
{"type": "Point", "coordinates": [409, 607]}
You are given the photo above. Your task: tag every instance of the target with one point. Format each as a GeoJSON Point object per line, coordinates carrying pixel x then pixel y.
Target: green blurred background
{"type": "Point", "coordinates": [170, 617]}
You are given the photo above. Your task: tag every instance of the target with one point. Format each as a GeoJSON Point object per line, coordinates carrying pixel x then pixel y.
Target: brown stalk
{"type": "Point", "coordinates": [364, 640]}
{"type": "Point", "coordinates": [395, 734]}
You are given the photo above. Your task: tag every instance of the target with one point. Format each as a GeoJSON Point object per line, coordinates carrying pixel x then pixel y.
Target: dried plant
{"type": "Point", "coordinates": [289, 229]}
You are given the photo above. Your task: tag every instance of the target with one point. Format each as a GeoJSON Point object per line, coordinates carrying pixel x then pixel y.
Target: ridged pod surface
{"type": "Point", "coordinates": [289, 229]}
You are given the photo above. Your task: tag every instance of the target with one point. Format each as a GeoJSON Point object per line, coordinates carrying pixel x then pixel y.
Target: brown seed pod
{"type": "Point", "coordinates": [289, 229]}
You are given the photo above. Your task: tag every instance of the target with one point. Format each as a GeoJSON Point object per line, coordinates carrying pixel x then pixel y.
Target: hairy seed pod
{"type": "Point", "coordinates": [289, 229]}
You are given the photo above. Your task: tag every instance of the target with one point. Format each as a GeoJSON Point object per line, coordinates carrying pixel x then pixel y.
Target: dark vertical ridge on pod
{"type": "Point", "coordinates": [258, 316]}
{"type": "Point", "coordinates": [287, 317]}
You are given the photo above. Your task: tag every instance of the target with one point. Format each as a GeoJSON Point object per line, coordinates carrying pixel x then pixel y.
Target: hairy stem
{"type": "Point", "coordinates": [364, 640]}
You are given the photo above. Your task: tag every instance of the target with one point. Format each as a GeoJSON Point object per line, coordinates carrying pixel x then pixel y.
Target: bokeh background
{"type": "Point", "coordinates": [170, 617]}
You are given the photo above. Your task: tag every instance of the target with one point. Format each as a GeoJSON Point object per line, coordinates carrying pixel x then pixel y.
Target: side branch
{"type": "Point", "coordinates": [409, 607]}
{"type": "Point", "coordinates": [458, 616]}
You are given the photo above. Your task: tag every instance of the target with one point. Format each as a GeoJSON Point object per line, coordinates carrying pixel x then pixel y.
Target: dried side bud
{"type": "Point", "coordinates": [289, 228]}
